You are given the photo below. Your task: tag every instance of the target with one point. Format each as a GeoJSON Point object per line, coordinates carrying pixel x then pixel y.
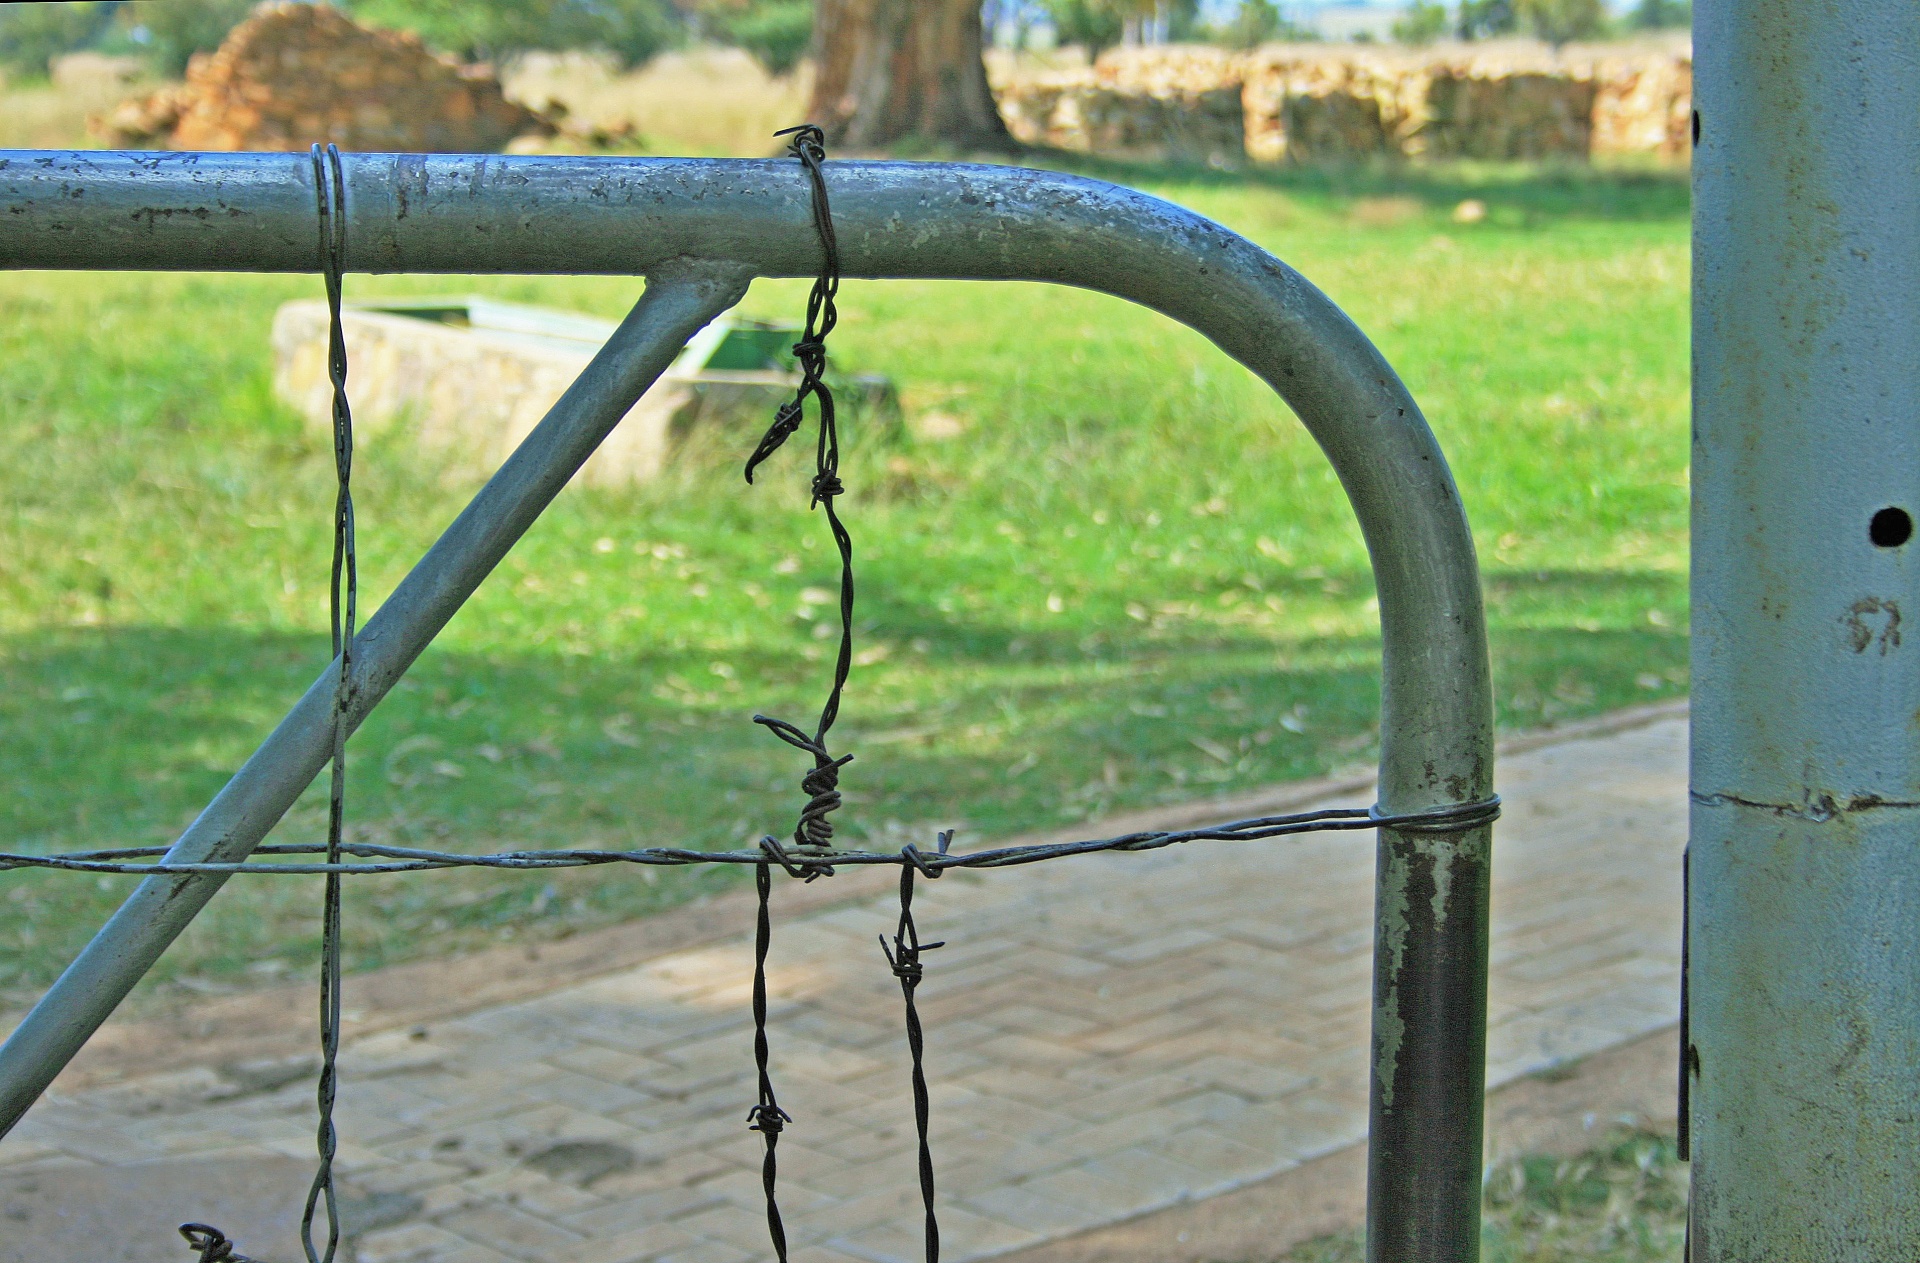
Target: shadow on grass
{"type": "Point", "coordinates": [117, 736]}
{"type": "Point", "coordinates": [1624, 1201]}
{"type": "Point", "coordinates": [1538, 191]}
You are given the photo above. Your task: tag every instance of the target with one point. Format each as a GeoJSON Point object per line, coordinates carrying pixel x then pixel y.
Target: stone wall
{"type": "Point", "coordinates": [1313, 103]}
{"type": "Point", "coordinates": [1513, 114]}
{"type": "Point", "coordinates": [1181, 102]}
{"type": "Point", "coordinates": [1644, 106]}
{"type": "Point", "coordinates": [1092, 118]}
{"type": "Point", "coordinates": [1305, 106]}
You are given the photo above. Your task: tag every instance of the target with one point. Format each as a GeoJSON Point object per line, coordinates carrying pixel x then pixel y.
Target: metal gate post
{"type": "Point", "coordinates": [468, 214]}
{"type": "Point", "coordinates": [1804, 904]}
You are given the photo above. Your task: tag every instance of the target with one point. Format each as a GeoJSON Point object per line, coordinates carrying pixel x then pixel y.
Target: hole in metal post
{"type": "Point", "coordinates": [1696, 129]}
{"type": "Point", "coordinates": [1890, 528]}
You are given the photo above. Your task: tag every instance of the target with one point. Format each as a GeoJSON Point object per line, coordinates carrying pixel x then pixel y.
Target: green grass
{"type": "Point", "coordinates": [1625, 1202]}
{"type": "Point", "coordinates": [1131, 580]}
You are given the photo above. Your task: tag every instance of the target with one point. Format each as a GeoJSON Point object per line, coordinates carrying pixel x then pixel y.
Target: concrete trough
{"type": "Point", "coordinates": [469, 377]}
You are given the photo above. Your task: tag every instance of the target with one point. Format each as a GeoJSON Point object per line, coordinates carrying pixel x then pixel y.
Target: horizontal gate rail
{"type": "Point", "coordinates": [699, 230]}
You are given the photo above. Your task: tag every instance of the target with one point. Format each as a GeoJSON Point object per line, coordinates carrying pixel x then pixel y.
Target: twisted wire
{"type": "Point", "coordinates": [1454, 818]}
{"type": "Point", "coordinates": [212, 1244]}
{"type": "Point", "coordinates": [814, 831]}
{"type": "Point", "coordinates": [330, 203]}
{"type": "Point", "coordinates": [904, 960]}
{"type": "Point", "coordinates": [766, 1117]}
{"type": "Point", "coordinates": [330, 188]}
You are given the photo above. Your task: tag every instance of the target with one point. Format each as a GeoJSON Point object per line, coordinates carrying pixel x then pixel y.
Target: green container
{"type": "Point", "coordinates": [755, 345]}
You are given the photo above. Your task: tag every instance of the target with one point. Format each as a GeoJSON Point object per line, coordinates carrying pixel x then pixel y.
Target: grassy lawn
{"type": "Point", "coordinates": [1129, 579]}
{"type": "Point", "coordinates": [1623, 1203]}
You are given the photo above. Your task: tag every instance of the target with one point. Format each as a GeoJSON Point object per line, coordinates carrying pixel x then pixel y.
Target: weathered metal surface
{"type": "Point", "coordinates": [676, 304]}
{"type": "Point", "coordinates": [1431, 921]}
{"type": "Point", "coordinates": [253, 212]}
{"type": "Point", "coordinates": [1804, 989]}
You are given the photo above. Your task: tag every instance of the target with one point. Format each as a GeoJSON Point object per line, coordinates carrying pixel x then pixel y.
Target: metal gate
{"type": "Point", "coordinates": [700, 231]}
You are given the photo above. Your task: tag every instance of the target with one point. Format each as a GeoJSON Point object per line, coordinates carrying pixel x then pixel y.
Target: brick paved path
{"type": "Point", "coordinates": [1106, 1036]}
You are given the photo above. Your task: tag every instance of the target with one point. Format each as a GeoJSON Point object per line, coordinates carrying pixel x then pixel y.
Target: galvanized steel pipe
{"type": "Point", "coordinates": [467, 214]}
{"type": "Point", "coordinates": [1804, 917]}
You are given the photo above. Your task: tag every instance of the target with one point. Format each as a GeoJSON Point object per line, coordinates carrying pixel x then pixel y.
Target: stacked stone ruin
{"type": "Point", "coordinates": [294, 74]}
{"type": "Point", "coordinates": [1311, 103]}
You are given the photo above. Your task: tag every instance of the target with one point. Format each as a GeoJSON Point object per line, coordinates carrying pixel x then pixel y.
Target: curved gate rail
{"type": "Point", "coordinates": [700, 231]}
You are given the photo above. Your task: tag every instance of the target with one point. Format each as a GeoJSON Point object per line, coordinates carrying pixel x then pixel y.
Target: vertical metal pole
{"type": "Point", "coordinates": [1804, 991]}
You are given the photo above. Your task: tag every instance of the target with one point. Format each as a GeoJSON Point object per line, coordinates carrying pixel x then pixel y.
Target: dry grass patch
{"type": "Point", "coordinates": [706, 101]}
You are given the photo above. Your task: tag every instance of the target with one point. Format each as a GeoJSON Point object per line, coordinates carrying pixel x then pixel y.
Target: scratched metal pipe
{"type": "Point", "coordinates": [468, 214]}
{"type": "Point", "coordinates": [1803, 1057]}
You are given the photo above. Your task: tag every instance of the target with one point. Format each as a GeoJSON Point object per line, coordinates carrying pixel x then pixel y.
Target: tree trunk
{"type": "Point", "coordinates": [891, 70]}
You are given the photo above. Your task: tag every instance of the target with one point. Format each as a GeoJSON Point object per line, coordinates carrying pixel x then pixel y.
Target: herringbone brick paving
{"type": "Point", "coordinates": [1106, 1035]}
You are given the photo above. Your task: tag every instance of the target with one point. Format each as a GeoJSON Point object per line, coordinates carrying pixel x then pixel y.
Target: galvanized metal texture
{"type": "Point", "coordinates": [1804, 870]}
{"type": "Point", "coordinates": [677, 303]}
{"type": "Point", "coordinates": [467, 214]}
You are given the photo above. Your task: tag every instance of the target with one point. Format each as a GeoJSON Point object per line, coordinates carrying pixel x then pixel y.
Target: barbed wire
{"type": "Point", "coordinates": [903, 958]}
{"type": "Point", "coordinates": [1455, 818]}
{"type": "Point", "coordinates": [814, 832]}
{"type": "Point", "coordinates": [330, 191]}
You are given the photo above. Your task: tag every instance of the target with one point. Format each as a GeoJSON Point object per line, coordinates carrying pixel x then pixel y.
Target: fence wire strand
{"type": "Point", "coordinates": [766, 1116]}
{"type": "Point", "coordinates": [1456, 818]}
{"type": "Point", "coordinates": [904, 959]}
{"type": "Point", "coordinates": [814, 832]}
{"type": "Point", "coordinates": [330, 190]}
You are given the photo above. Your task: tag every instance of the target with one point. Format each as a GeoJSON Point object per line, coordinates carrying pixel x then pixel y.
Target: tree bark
{"type": "Point", "coordinates": [893, 70]}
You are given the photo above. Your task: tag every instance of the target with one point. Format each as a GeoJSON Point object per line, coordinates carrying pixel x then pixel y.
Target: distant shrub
{"type": "Point", "coordinates": [1424, 22]}
{"type": "Point", "coordinates": [31, 35]}
{"type": "Point", "coordinates": [1095, 25]}
{"type": "Point", "coordinates": [1561, 21]}
{"type": "Point", "coordinates": [169, 32]}
{"type": "Point", "coordinates": [1653, 15]}
{"type": "Point", "coordinates": [1483, 19]}
{"type": "Point", "coordinates": [777, 32]}
{"type": "Point", "coordinates": [481, 30]}
{"type": "Point", "coordinates": [1257, 22]}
